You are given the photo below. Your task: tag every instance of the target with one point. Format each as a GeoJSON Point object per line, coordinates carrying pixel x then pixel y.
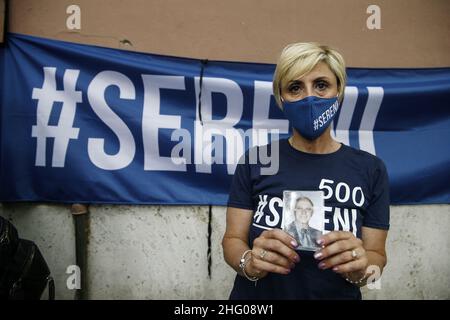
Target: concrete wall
{"type": "Point", "coordinates": [160, 252]}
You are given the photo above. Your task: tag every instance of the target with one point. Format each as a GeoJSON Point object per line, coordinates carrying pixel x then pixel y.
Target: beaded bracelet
{"type": "Point", "coordinates": [357, 282]}
{"type": "Point", "coordinates": [243, 263]}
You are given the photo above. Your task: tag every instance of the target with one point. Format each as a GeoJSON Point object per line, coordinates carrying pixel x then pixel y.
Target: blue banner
{"type": "Point", "coordinates": [86, 124]}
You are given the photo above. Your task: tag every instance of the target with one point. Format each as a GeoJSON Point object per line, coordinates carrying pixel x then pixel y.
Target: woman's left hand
{"type": "Point", "coordinates": [342, 252]}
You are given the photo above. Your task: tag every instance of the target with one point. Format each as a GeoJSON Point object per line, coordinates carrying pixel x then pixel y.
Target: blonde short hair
{"type": "Point", "coordinates": [298, 59]}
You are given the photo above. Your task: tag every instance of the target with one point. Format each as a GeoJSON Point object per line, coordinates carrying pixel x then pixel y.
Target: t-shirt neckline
{"type": "Point", "coordinates": [297, 153]}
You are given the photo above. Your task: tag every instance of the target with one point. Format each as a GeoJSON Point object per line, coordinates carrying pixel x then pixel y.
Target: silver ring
{"type": "Point", "coordinates": [262, 254]}
{"type": "Point", "coordinates": [354, 254]}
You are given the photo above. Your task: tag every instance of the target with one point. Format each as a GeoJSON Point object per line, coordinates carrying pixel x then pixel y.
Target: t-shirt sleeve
{"type": "Point", "coordinates": [240, 195]}
{"type": "Point", "coordinates": [377, 214]}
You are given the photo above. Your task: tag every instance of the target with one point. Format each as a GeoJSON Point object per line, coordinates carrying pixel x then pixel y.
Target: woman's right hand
{"type": "Point", "coordinates": [273, 251]}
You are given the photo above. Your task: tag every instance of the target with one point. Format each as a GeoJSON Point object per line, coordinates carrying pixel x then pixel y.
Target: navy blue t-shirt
{"type": "Point", "coordinates": [356, 191]}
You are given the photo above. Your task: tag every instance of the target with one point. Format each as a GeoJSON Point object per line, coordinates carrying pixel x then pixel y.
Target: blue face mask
{"type": "Point", "coordinates": [312, 115]}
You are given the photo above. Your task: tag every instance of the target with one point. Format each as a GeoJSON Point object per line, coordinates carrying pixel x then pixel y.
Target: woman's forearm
{"type": "Point", "coordinates": [233, 248]}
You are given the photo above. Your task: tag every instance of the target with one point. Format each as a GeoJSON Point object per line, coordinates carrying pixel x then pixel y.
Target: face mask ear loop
{"type": "Point", "coordinates": [338, 99]}
{"type": "Point", "coordinates": [281, 98]}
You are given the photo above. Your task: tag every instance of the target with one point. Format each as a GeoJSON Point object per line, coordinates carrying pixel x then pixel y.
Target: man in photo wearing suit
{"type": "Point", "coordinates": [300, 229]}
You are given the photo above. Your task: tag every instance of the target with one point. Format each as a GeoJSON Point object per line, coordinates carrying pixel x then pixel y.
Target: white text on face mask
{"type": "Point", "coordinates": [324, 117]}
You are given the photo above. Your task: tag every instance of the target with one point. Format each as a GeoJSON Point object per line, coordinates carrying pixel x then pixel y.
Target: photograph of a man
{"type": "Point", "coordinates": [298, 213]}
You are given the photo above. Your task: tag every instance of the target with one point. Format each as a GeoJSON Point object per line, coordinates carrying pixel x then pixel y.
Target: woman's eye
{"type": "Point", "coordinates": [294, 88]}
{"type": "Point", "coordinates": [322, 85]}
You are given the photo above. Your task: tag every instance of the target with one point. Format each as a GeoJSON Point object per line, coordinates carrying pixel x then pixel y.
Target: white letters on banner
{"type": "Point", "coordinates": [127, 145]}
{"type": "Point", "coordinates": [64, 131]}
{"type": "Point", "coordinates": [211, 136]}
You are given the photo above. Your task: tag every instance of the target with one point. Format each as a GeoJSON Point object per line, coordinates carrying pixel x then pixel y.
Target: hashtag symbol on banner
{"type": "Point", "coordinates": [316, 125]}
{"type": "Point", "coordinates": [47, 96]}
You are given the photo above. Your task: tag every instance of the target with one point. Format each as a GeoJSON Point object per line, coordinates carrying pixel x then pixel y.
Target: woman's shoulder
{"type": "Point", "coordinates": [363, 156]}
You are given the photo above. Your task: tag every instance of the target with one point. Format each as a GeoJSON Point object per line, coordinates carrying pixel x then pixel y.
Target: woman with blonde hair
{"type": "Point", "coordinates": [308, 85]}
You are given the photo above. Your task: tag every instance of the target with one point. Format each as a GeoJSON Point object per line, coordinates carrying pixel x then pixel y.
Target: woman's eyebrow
{"type": "Point", "coordinates": [297, 81]}
{"type": "Point", "coordinates": [322, 78]}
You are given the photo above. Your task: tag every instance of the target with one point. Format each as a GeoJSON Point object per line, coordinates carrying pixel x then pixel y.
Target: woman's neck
{"type": "Point", "coordinates": [322, 145]}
